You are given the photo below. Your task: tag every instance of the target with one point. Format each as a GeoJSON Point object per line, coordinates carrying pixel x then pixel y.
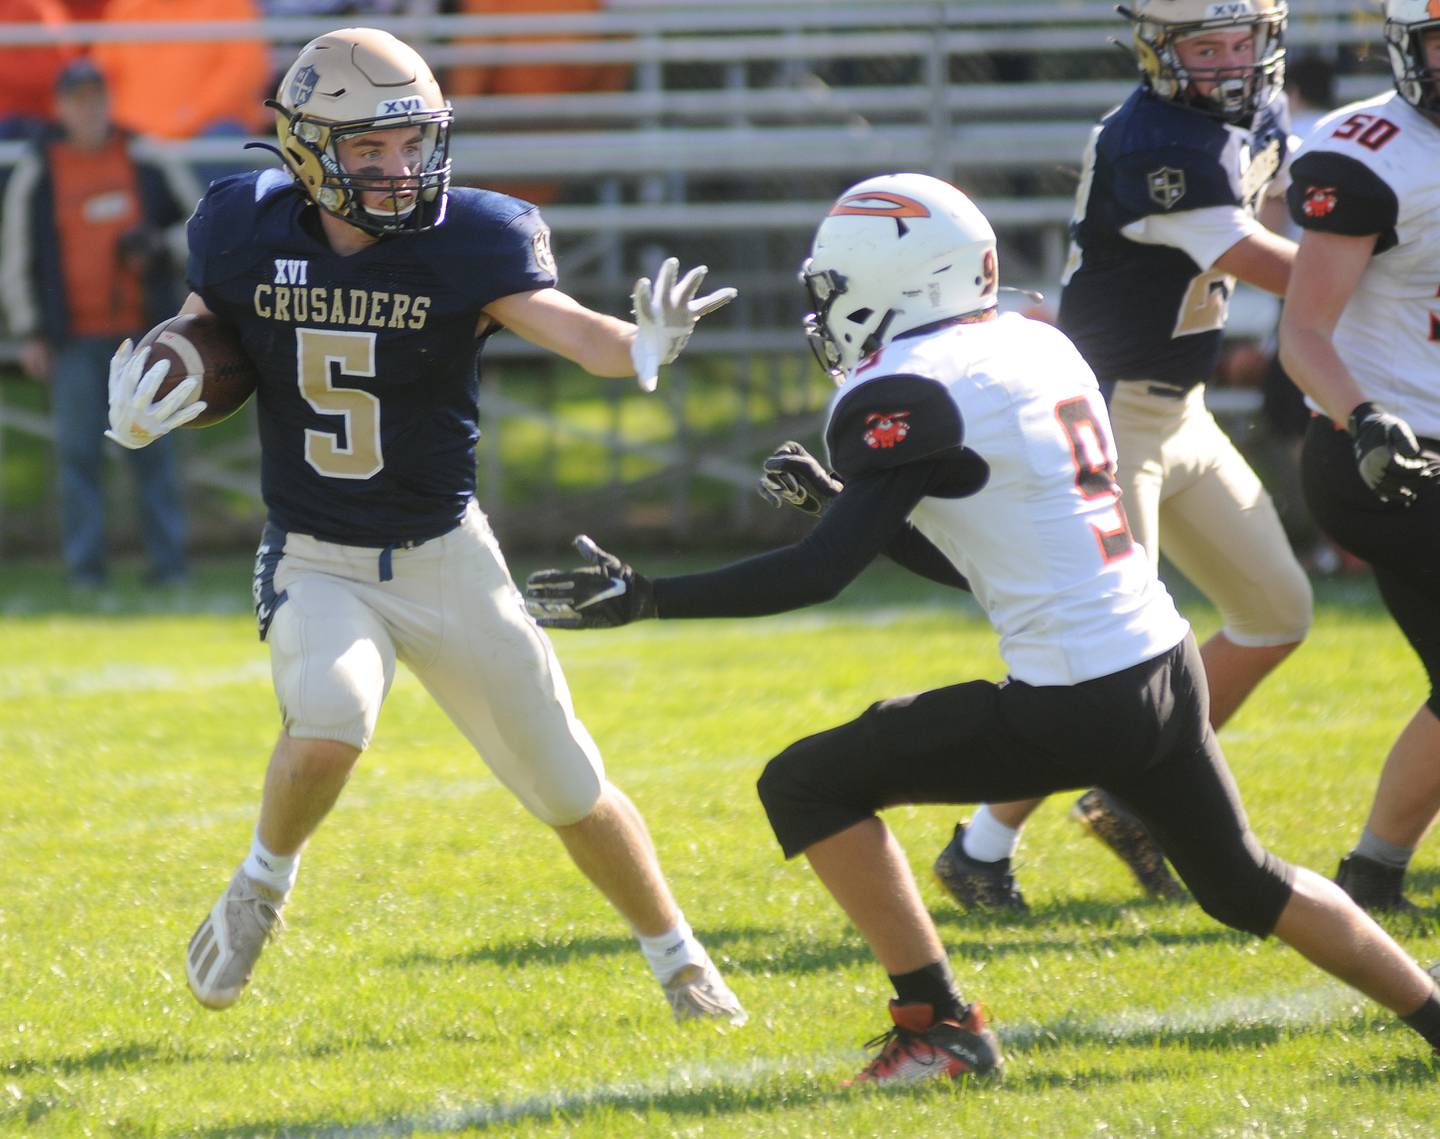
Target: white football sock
{"type": "Point", "coordinates": [671, 951]}
{"type": "Point", "coordinates": [987, 839]}
{"type": "Point", "coordinates": [277, 871]}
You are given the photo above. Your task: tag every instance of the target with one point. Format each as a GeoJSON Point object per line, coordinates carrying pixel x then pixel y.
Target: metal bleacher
{"type": "Point", "coordinates": [740, 121]}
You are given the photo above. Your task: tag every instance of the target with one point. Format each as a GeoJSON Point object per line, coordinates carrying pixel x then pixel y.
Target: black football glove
{"type": "Point", "coordinates": [1387, 454]}
{"type": "Point", "coordinates": [795, 476]}
{"type": "Point", "coordinates": [602, 595]}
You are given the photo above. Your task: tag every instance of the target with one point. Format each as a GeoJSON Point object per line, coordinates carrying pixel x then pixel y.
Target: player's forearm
{"type": "Point", "coordinates": [1309, 358]}
{"type": "Point", "coordinates": [790, 578]}
{"type": "Point", "coordinates": [1262, 259]}
{"type": "Point", "coordinates": [605, 351]}
{"type": "Point", "coordinates": [865, 519]}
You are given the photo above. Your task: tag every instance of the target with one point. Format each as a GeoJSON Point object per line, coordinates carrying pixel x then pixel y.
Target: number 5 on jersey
{"type": "Point", "coordinates": [358, 457]}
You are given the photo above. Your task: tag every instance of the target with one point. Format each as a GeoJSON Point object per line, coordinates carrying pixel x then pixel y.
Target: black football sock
{"type": "Point", "coordinates": [933, 985]}
{"type": "Point", "coordinates": [1426, 1020]}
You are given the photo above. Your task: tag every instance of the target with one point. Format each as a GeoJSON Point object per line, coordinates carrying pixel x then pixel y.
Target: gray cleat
{"type": "Point", "coordinates": [698, 992]}
{"type": "Point", "coordinates": [224, 950]}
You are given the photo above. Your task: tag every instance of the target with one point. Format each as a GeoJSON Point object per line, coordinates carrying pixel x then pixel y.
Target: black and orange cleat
{"type": "Point", "coordinates": [920, 1047]}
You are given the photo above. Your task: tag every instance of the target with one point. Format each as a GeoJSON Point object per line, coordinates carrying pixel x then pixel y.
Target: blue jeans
{"type": "Point", "coordinates": [78, 397]}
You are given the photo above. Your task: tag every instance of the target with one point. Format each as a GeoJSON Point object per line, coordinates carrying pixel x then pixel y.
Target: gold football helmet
{"type": "Point", "coordinates": [354, 81]}
{"type": "Point", "coordinates": [1158, 25]}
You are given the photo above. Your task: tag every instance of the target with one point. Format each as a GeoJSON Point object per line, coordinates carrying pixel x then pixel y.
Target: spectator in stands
{"type": "Point", "coordinates": [85, 258]}
{"type": "Point", "coordinates": [28, 92]}
{"type": "Point", "coordinates": [549, 78]}
{"type": "Point", "coordinates": [208, 86]}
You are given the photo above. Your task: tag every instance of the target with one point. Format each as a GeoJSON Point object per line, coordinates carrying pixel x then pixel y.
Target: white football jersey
{"type": "Point", "coordinates": [1389, 334]}
{"type": "Point", "coordinates": [1044, 542]}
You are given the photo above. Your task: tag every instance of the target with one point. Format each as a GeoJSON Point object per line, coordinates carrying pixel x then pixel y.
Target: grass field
{"type": "Point", "coordinates": [446, 972]}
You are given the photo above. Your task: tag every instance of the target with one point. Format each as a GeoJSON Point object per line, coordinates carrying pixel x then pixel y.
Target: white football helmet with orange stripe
{"type": "Point", "coordinates": [1406, 22]}
{"type": "Point", "coordinates": [895, 253]}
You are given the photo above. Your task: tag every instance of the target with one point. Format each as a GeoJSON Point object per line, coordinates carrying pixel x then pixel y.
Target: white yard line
{"type": "Point", "coordinates": [1314, 1006]}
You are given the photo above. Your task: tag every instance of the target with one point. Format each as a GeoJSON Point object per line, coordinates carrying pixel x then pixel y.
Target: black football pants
{"type": "Point", "coordinates": [1142, 734]}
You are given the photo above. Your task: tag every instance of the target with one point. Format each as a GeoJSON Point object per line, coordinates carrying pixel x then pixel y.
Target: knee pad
{"type": "Point", "coordinates": [1250, 901]}
{"type": "Point", "coordinates": [328, 696]}
{"type": "Point", "coordinates": [562, 803]}
{"type": "Point", "coordinates": [1278, 613]}
{"type": "Point", "coordinates": [802, 798]}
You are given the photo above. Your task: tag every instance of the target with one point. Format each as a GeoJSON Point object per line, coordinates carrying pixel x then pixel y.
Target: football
{"type": "Point", "coordinates": [200, 344]}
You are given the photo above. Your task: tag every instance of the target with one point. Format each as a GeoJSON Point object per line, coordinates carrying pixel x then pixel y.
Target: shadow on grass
{"type": "Point", "coordinates": [100, 1060]}
{"type": "Point", "coordinates": [762, 951]}
{"type": "Point", "coordinates": [521, 952]}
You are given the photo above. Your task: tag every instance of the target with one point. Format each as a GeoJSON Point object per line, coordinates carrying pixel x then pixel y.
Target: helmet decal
{"type": "Point", "coordinates": [880, 204]}
{"type": "Point", "coordinates": [302, 85]}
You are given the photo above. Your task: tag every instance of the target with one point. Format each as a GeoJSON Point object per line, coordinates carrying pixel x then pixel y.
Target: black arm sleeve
{"type": "Point", "coordinates": [864, 520]}
{"type": "Point", "coordinates": [918, 554]}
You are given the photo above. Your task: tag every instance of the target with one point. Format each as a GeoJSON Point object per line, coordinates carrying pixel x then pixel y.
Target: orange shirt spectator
{"type": "Point", "coordinates": [185, 88]}
{"type": "Point", "coordinates": [28, 89]}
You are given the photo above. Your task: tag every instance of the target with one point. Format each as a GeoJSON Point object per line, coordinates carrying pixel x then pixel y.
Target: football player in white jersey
{"type": "Point", "coordinates": [975, 449]}
{"type": "Point", "coordinates": [1361, 336]}
{"type": "Point", "coordinates": [1165, 221]}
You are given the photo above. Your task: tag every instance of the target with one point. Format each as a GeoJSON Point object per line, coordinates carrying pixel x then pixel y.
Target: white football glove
{"type": "Point", "coordinates": [665, 315]}
{"type": "Point", "coordinates": [134, 420]}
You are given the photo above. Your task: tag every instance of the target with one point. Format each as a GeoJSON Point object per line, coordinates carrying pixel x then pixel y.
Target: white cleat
{"type": "Point", "coordinates": [224, 950]}
{"type": "Point", "coordinates": [698, 992]}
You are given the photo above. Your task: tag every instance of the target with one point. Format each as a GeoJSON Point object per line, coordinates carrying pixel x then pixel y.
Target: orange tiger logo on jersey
{"type": "Point", "coordinates": [884, 429]}
{"type": "Point", "coordinates": [1320, 200]}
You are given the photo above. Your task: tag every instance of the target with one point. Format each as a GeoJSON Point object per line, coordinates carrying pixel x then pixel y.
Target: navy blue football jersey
{"type": "Point", "coordinates": [368, 363]}
{"type": "Point", "coordinates": [1145, 311]}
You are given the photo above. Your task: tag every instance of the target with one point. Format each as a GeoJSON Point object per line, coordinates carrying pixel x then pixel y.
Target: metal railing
{"type": "Point", "coordinates": [738, 125]}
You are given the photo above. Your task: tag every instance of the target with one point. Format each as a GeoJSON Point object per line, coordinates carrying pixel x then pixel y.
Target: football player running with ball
{"type": "Point", "coordinates": [976, 450]}
{"type": "Point", "coordinates": [1360, 334]}
{"type": "Point", "coordinates": [363, 286]}
{"type": "Point", "coordinates": [1164, 224]}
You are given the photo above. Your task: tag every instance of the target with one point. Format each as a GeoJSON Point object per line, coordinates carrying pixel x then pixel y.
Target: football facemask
{"type": "Point", "coordinates": [1407, 23]}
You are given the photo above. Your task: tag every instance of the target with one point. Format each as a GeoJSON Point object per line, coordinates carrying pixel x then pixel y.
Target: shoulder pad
{"type": "Point", "coordinates": [493, 245]}
{"type": "Point", "coordinates": [890, 421]}
{"type": "Point", "coordinates": [221, 233]}
{"type": "Point", "coordinates": [1166, 157]}
{"type": "Point", "coordinates": [1334, 193]}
